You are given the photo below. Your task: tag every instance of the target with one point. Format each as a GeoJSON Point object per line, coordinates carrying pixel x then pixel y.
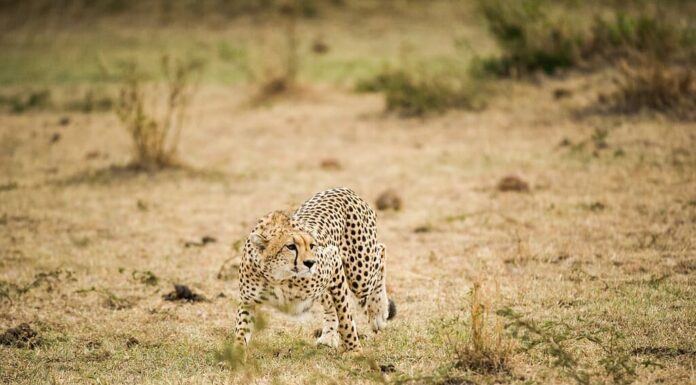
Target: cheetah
{"type": "Point", "coordinates": [323, 252]}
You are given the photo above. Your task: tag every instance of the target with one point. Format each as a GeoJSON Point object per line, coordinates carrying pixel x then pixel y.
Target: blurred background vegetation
{"type": "Point", "coordinates": [423, 55]}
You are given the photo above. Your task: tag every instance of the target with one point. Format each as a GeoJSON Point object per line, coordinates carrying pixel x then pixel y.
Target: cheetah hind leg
{"type": "Point", "coordinates": [329, 333]}
{"type": "Point", "coordinates": [379, 307]}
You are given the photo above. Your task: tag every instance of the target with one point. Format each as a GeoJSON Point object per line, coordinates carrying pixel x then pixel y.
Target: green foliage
{"type": "Point", "coordinates": [532, 38]}
{"type": "Point", "coordinates": [554, 340]}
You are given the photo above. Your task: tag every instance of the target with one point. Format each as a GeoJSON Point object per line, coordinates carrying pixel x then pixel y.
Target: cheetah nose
{"type": "Point", "coordinates": [309, 263]}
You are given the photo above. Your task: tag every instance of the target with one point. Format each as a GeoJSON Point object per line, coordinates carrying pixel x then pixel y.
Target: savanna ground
{"type": "Point", "coordinates": [598, 256]}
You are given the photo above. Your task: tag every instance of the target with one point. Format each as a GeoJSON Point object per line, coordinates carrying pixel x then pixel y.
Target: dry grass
{"type": "Point", "coordinates": [574, 264]}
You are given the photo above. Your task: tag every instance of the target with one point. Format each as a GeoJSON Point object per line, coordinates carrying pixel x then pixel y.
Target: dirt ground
{"type": "Point", "coordinates": [606, 234]}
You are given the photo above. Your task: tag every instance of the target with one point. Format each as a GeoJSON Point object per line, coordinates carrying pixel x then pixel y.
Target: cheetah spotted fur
{"type": "Point", "coordinates": [323, 252]}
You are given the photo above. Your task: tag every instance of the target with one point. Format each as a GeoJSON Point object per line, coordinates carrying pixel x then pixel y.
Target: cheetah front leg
{"type": "Point", "coordinates": [245, 322]}
{"type": "Point", "coordinates": [251, 295]}
{"type": "Point", "coordinates": [329, 332]}
{"type": "Point", "coordinates": [344, 311]}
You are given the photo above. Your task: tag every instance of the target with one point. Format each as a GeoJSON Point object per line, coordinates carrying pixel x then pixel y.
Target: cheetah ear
{"type": "Point", "coordinates": [259, 241]}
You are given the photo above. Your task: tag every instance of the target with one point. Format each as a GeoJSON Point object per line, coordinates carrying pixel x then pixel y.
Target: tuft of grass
{"type": "Point", "coordinates": [145, 277]}
{"type": "Point", "coordinates": [155, 133]}
{"type": "Point", "coordinates": [486, 351]}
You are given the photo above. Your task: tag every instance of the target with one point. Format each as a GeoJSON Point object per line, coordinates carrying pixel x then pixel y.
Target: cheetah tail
{"type": "Point", "coordinates": [392, 309]}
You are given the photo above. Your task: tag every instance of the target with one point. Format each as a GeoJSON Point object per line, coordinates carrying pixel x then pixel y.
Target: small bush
{"type": "Point", "coordinates": [529, 39]}
{"type": "Point", "coordinates": [32, 100]}
{"type": "Point", "coordinates": [532, 40]}
{"type": "Point", "coordinates": [624, 36]}
{"type": "Point", "coordinates": [155, 132]}
{"type": "Point", "coordinates": [416, 93]}
{"type": "Point", "coordinates": [655, 86]}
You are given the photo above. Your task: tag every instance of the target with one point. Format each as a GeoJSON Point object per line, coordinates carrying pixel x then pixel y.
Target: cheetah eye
{"type": "Point", "coordinates": [291, 247]}
{"type": "Point", "coordinates": [311, 247]}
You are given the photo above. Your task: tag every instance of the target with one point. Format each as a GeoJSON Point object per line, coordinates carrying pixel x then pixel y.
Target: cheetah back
{"type": "Point", "coordinates": [341, 218]}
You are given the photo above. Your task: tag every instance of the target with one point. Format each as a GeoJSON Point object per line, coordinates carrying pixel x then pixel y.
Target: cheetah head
{"type": "Point", "coordinates": [284, 251]}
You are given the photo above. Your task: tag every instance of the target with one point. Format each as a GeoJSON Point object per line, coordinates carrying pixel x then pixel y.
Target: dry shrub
{"type": "Point", "coordinates": [486, 351]}
{"type": "Point", "coordinates": [155, 131]}
{"type": "Point", "coordinates": [278, 67]}
{"type": "Point", "coordinates": [654, 85]}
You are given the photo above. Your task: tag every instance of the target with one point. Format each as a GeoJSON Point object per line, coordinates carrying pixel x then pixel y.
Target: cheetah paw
{"type": "Point", "coordinates": [331, 339]}
{"type": "Point", "coordinates": [378, 323]}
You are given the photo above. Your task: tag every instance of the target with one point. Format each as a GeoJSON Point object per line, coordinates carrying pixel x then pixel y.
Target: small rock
{"type": "Point", "coordinates": [513, 183]}
{"type": "Point", "coordinates": [55, 137]}
{"type": "Point", "coordinates": [320, 47]}
{"type": "Point", "coordinates": [64, 121]}
{"type": "Point", "coordinates": [183, 293]}
{"type": "Point", "coordinates": [20, 337]}
{"type": "Point", "coordinates": [330, 164]}
{"type": "Point", "coordinates": [423, 229]}
{"type": "Point", "coordinates": [92, 155]}
{"type": "Point", "coordinates": [561, 93]}
{"type": "Point", "coordinates": [389, 200]}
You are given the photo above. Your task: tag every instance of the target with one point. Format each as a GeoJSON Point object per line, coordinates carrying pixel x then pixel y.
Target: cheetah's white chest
{"type": "Point", "coordinates": [291, 302]}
